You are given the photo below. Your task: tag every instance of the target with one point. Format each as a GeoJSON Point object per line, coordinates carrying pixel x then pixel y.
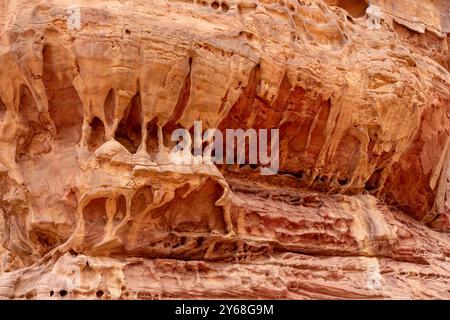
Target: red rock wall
{"type": "Point", "coordinates": [93, 206]}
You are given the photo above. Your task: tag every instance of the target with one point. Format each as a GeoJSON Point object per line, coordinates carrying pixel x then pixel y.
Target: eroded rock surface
{"type": "Point", "coordinates": [93, 206]}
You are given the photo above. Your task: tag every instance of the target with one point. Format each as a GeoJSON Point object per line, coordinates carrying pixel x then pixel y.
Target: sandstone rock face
{"type": "Point", "coordinates": [91, 205]}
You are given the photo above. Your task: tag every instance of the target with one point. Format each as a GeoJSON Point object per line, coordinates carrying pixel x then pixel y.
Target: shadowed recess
{"type": "Point", "coordinates": [97, 136]}
{"type": "Point", "coordinates": [129, 130]}
{"type": "Point", "coordinates": [356, 8]}
{"type": "Point", "coordinates": [65, 106]}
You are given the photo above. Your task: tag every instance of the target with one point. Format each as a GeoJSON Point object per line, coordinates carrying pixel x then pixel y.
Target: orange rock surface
{"type": "Point", "coordinates": [92, 206]}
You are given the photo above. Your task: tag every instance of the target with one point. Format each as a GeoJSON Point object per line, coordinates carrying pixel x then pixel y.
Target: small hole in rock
{"type": "Point", "coordinates": [52, 293]}
{"type": "Point", "coordinates": [97, 135]}
{"type": "Point", "coordinates": [215, 5]}
{"type": "Point", "coordinates": [299, 174]}
{"type": "Point", "coordinates": [63, 293]}
{"type": "Point", "coordinates": [225, 7]}
{"type": "Point", "coordinates": [99, 293]}
{"type": "Point", "coordinates": [127, 31]}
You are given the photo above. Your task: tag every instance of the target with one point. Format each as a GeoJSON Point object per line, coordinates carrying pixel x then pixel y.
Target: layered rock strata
{"type": "Point", "coordinates": [93, 206]}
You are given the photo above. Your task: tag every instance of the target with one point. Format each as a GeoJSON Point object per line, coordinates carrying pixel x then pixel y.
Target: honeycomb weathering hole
{"type": "Point", "coordinates": [97, 136]}
{"type": "Point", "coordinates": [121, 205]}
{"type": "Point", "coordinates": [109, 107]}
{"type": "Point", "coordinates": [356, 8]}
{"type": "Point", "coordinates": [64, 104]}
{"type": "Point", "coordinates": [29, 141]}
{"type": "Point", "coordinates": [152, 139]}
{"type": "Point", "coordinates": [163, 228]}
{"type": "Point", "coordinates": [129, 130]}
{"type": "Point", "coordinates": [215, 5]}
{"type": "Point", "coordinates": [141, 200]}
{"type": "Point", "coordinates": [94, 214]}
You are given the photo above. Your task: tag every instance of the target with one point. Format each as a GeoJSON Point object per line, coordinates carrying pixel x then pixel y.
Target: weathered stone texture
{"type": "Point", "coordinates": [92, 205]}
